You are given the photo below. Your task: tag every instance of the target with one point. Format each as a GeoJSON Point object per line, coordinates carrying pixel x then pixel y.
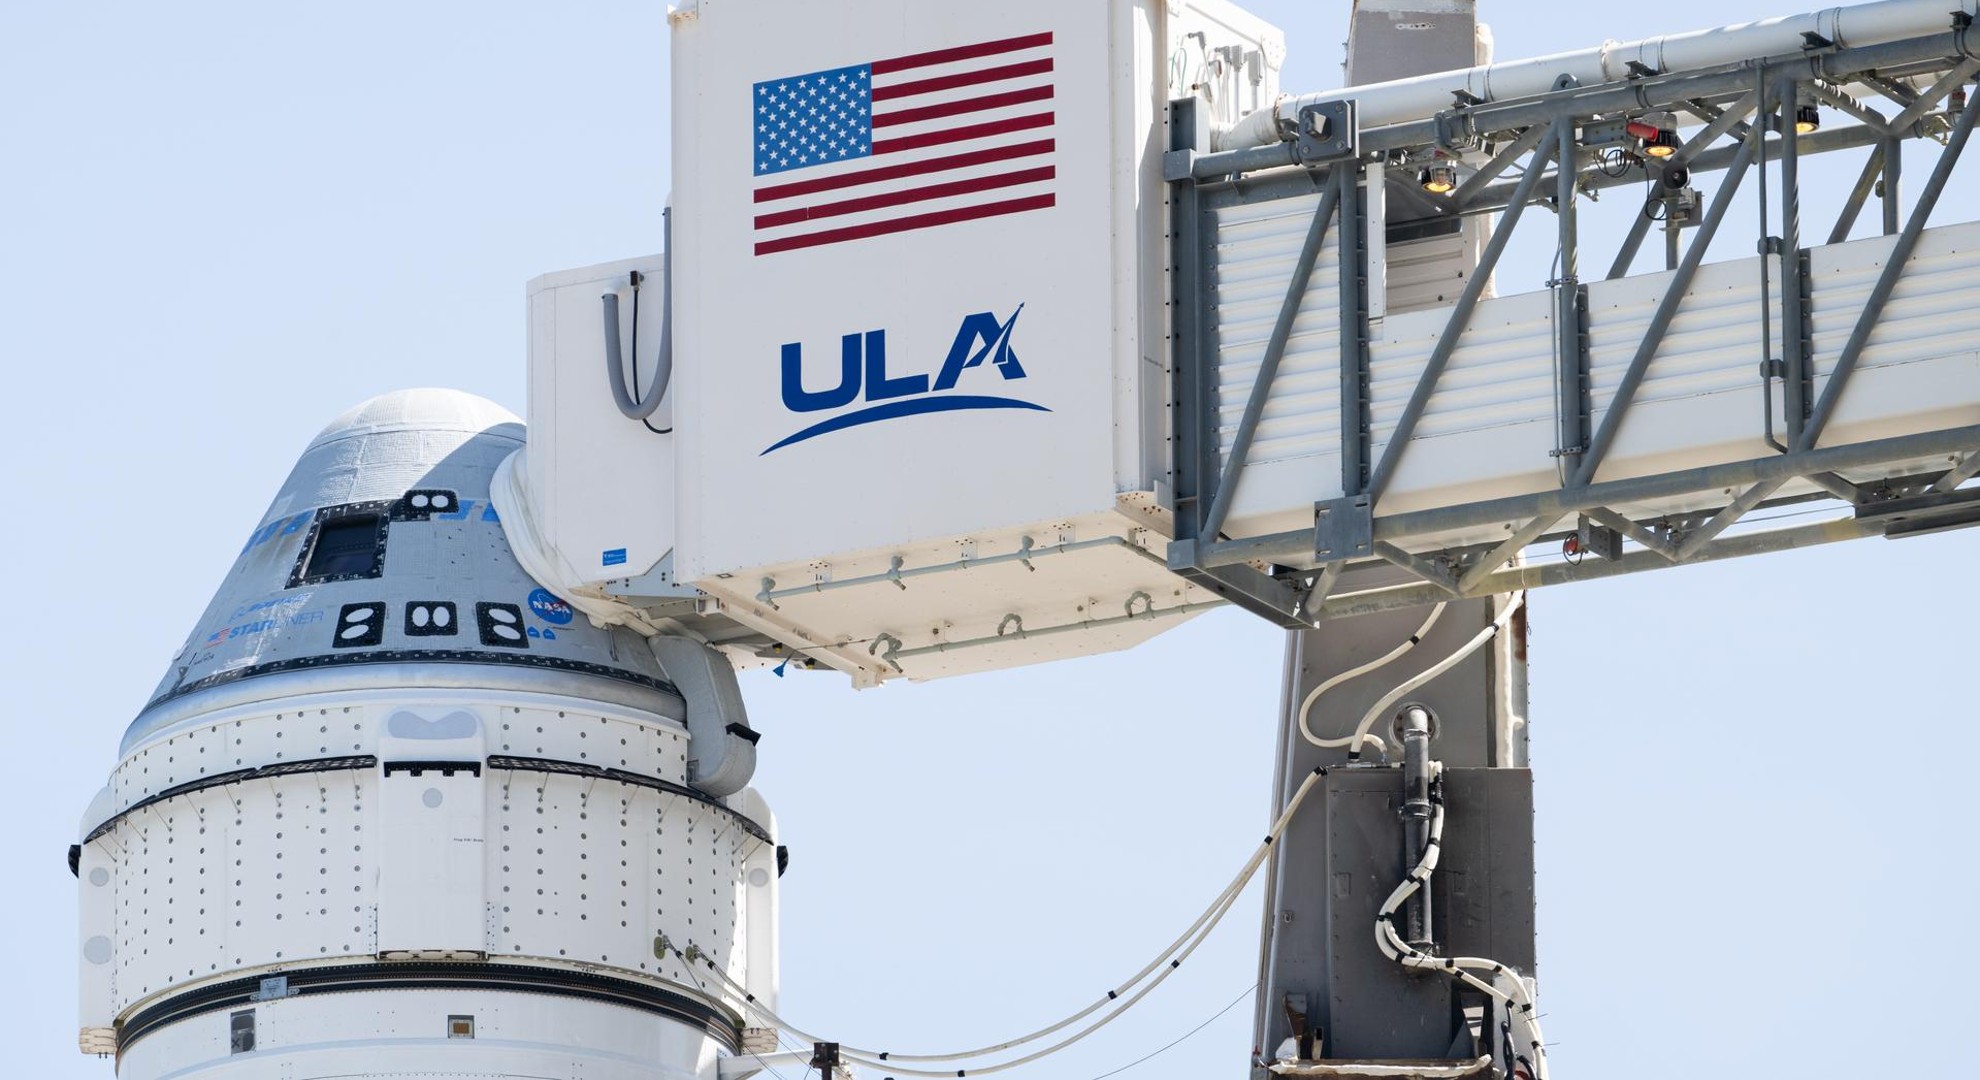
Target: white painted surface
{"type": "Point", "coordinates": [598, 481]}
{"type": "Point", "coordinates": [257, 877]}
{"type": "Point", "coordinates": [374, 1035]}
{"type": "Point", "coordinates": [1491, 424]}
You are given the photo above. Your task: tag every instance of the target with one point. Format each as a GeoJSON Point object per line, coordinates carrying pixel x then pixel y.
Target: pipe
{"type": "Point", "coordinates": [1416, 820]}
{"type": "Point", "coordinates": [1505, 985]}
{"type": "Point", "coordinates": [1424, 96]}
{"type": "Point", "coordinates": [663, 368]}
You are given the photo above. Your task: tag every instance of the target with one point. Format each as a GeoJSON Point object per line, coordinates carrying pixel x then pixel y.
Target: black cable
{"type": "Point", "coordinates": [688, 966]}
{"type": "Point", "coordinates": [637, 277]}
{"type": "Point", "coordinates": [1248, 991]}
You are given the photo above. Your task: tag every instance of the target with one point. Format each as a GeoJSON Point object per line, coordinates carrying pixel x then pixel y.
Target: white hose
{"type": "Point", "coordinates": [1505, 986]}
{"type": "Point", "coordinates": [1306, 706]}
{"type": "Point", "coordinates": [1161, 967]}
{"type": "Point", "coordinates": [1361, 732]}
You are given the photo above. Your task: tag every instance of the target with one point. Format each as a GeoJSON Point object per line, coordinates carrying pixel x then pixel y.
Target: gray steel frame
{"type": "Point", "coordinates": [1289, 577]}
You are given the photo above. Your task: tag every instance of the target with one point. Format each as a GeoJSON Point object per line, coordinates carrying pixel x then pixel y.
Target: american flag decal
{"type": "Point", "coordinates": [907, 143]}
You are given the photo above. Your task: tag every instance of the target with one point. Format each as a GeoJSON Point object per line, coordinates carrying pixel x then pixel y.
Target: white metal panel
{"type": "Point", "coordinates": [1430, 272]}
{"type": "Point", "coordinates": [429, 866]}
{"type": "Point", "coordinates": [917, 476]}
{"type": "Point", "coordinates": [973, 614]}
{"type": "Point", "coordinates": [1491, 428]}
{"type": "Point", "coordinates": [594, 871]}
{"type": "Point", "coordinates": [601, 485]}
{"type": "Point", "coordinates": [1922, 367]}
{"type": "Point", "coordinates": [1079, 445]}
{"type": "Point", "coordinates": [272, 872]}
{"type": "Point", "coordinates": [96, 938]}
{"type": "Point", "coordinates": [402, 1035]}
{"type": "Point", "coordinates": [241, 876]}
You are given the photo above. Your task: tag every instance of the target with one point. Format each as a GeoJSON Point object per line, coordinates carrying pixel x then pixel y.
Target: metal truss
{"type": "Point", "coordinates": [1748, 112]}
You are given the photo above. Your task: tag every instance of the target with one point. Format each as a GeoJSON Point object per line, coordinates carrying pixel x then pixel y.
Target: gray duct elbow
{"type": "Point", "coordinates": [721, 744]}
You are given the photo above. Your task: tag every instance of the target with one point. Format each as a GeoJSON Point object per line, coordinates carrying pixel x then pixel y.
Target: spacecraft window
{"type": "Point", "coordinates": [351, 546]}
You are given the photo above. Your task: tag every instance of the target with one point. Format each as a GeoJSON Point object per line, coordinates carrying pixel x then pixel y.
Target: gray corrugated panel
{"type": "Point", "coordinates": [1426, 274]}
{"type": "Point", "coordinates": [1490, 429]}
{"type": "Point", "coordinates": [1256, 248]}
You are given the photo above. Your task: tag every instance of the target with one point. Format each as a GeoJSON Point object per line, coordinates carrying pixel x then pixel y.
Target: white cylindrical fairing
{"type": "Point", "coordinates": [397, 809]}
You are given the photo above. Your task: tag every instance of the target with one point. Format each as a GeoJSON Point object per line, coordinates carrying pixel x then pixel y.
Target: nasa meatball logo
{"type": "Point", "coordinates": [549, 608]}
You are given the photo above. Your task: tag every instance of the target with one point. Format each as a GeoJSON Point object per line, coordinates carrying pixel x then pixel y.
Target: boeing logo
{"type": "Point", "coordinates": [863, 377]}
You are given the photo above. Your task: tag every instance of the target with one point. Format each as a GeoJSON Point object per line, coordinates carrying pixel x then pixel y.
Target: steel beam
{"type": "Point", "coordinates": [1718, 122]}
{"type": "Point", "coordinates": [1892, 183]}
{"type": "Point", "coordinates": [1626, 255]}
{"type": "Point", "coordinates": [1675, 91]}
{"type": "Point", "coordinates": [1929, 100]}
{"type": "Point", "coordinates": [1695, 543]}
{"type": "Point", "coordinates": [1864, 114]}
{"type": "Point", "coordinates": [1268, 367]}
{"type": "Point", "coordinates": [1959, 474]}
{"type": "Point", "coordinates": [1290, 547]}
{"type": "Point", "coordinates": [1797, 382]}
{"type": "Point", "coordinates": [1837, 486]}
{"type": "Point", "coordinates": [1353, 283]}
{"type": "Point", "coordinates": [1460, 318]}
{"type": "Point", "coordinates": [1499, 556]}
{"type": "Point", "coordinates": [1842, 66]}
{"type": "Point", "coordinates": [1880, 294]}
{"type": "Point", "coordinates": [1650, 540]}
{"type": "Point", "coordinates": [1435, 573]}
{"type": "Point", "coordinates": [1667, 309]}
{"type": "Point", "coordinates": [1858, 195]}
{"type": "Point", "coordinates": [1540, 576]}
{"type": "Point", "coordinates": [1570, 331]}
{"type": "Point", "coordinates": [1522, 145]}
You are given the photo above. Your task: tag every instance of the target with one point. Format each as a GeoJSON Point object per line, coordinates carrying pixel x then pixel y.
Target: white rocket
{"type": "Point", "coordinates": [396, 810]}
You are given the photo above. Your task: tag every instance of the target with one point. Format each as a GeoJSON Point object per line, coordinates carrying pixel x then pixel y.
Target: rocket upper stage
{"type": "Point", "coordinates": [397, 808]}
{"type": "Point", "coordinates": [382, 548]}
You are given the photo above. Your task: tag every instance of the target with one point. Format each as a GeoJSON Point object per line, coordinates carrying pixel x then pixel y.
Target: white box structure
{"type": "Point", "coordinates": [945, 345]}
{"type": "Point", "coordinates": [582, 449]}
{"type": "Point", "coordinates": [924, 410]}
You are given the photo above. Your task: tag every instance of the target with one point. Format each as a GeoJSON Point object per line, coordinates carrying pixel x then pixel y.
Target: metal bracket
{"type": "Point", "coordinates": [1920, 515]}
{"type": "Point", "coordinates": [272, 988]}
{"type": "Point", "coordinates": [1178, 165]}
{"type": "Point", "coordinates": [1344, 529]}
{"type": "Point", "coordinates": [1598, 540]}
{"type": "Point", "coordinates": [1327, 131]}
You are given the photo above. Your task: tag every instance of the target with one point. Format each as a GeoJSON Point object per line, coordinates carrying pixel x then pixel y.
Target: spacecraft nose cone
{"type": "Point", "coordinates": [382, 550]}
{"type": "Point", "coordinates": [422, 409]}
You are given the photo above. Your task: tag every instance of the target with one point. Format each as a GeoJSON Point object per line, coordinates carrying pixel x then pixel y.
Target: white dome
{"type": "Point", "coordinates": [423, 409]}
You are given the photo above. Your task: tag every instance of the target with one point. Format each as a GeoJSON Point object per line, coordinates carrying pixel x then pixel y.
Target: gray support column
{"type": "Point", "coordinates": [1340, 857]}
{"type": "Point", "coordinates": [1797, 381]}
{"type": "Point", "coordinates": [1319, 967]}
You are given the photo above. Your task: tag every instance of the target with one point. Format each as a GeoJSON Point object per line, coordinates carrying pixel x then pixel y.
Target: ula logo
{"type": "Point", "coordinates": [863, 376]}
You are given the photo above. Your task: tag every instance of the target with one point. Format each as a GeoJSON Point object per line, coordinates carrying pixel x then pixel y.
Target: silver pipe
{"type": "Point", "coordinates": [1424, 96]}
{"type": "Point", "coordinates": [1416, 811]}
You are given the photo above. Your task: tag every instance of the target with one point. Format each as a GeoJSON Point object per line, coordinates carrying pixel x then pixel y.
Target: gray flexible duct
{"type": "Point", "coordinates": [663, 370]}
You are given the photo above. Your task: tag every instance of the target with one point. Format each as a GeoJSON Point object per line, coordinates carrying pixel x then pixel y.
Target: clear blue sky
{"type": "Point", "coordinates": [221, 224]}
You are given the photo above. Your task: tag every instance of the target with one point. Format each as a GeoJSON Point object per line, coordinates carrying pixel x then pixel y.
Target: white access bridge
{"type": "Point", "coordinates": [1258, 356]}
